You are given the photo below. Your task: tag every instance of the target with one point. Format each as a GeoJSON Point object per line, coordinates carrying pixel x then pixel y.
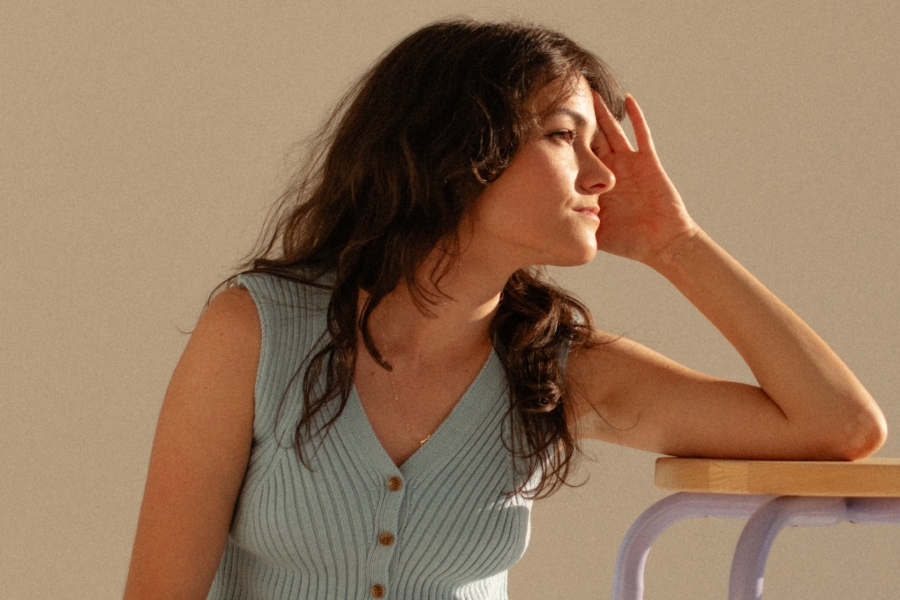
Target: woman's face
{"type": "Point", "coordinates": [543, 208]}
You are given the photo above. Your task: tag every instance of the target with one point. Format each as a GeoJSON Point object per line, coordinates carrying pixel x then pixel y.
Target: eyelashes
{"type": "Point", "coordinates": [567, 135]}
{"type": "Point", "coordinates": [570, 135]}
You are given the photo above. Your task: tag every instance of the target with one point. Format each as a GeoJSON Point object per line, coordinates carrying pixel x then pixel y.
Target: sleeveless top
{"type": "Point", "coordinates": [356, 526]}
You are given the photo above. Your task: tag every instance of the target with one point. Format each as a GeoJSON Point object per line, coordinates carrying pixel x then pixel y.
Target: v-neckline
{"type": "Point", "coordinates": [466, 410]}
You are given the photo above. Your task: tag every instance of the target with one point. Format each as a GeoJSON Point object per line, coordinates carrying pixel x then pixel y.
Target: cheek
{"type": "Point", "coordinates": [538, 181]}
{"type": "Point", "coordinates": [511, 213]}
{"type": "Point", "coordinates": [527, 195]}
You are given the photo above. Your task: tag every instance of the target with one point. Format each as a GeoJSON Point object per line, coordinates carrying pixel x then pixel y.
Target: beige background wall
{"type": "Point", "coordinates": [142, 142]}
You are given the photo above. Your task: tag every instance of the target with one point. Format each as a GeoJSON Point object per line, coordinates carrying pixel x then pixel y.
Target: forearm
{"type": "Point", "coordinates": [799, 372]}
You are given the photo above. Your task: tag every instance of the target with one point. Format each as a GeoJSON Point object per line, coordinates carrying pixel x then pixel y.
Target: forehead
{"type": "Point", "coordinates": [570, 93]}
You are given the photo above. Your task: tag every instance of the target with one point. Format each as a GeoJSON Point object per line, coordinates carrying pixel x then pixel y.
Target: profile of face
{"type": "Point", "coordinates": [438, 141]}
{"type": "Point", "coordinates": [543, 208]}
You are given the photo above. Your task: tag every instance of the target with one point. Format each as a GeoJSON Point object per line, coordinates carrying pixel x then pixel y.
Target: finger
{"type": "Point", "coordinates": [600, 145]}
{"type": "Point", "coordinates": [610, 128]}
{"type": "Point", "coordinates": [639, 125]}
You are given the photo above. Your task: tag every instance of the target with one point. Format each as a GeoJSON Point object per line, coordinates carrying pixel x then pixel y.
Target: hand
{"type": "Point", "coordinates": [643, 216]}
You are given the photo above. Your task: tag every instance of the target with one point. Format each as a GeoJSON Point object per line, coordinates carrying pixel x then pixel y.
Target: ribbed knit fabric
{"type": "Point", "coordinates": [302, 534]}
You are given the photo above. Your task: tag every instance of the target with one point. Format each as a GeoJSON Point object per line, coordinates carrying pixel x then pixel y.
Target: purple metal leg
{"type": "Point", "coordinates": [873, 511]}
{"type": "Point", "coordinates": [767, 517]}
{"type": "Point", "coordinates": [628, 581]}
{"type": "Point", "coordinates": [752, 550]}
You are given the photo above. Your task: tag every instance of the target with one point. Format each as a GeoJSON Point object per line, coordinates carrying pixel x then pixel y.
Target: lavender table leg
{"type": "Point", "coordinates": [873, 511]}
{"type": "Point", "coordinates": [752, 550]}
{"type": "Point", "coordinates": [753, 546]}
{"type": "Point", "coordinates": [628, 581]}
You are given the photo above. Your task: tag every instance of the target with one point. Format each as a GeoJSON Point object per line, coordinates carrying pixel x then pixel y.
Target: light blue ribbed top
{"type": "Point", "coordinates": [301, 534]}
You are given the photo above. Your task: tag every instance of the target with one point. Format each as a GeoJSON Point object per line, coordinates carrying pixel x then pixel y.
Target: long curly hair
{"type": "Point", "coordinates": [388, 179]}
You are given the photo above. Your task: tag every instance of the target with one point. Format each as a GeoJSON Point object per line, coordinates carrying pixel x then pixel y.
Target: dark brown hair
{"type": "Point", "coordinates": [387, 181]}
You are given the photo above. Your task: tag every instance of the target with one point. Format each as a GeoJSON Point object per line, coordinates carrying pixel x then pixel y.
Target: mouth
{"type": "Point", "coordinates": [589, 211]}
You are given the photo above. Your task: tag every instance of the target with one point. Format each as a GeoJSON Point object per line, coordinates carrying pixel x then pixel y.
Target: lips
{"type": "Point", "coordinates": [589, 210]}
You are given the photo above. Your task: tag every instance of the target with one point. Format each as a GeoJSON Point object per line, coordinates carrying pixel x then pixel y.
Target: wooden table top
{"type": "Point", "coordinates": [867, 477]}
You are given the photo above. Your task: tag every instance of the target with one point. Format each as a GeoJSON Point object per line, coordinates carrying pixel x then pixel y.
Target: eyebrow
{"type": "Point", "coordinates": [579, 119]}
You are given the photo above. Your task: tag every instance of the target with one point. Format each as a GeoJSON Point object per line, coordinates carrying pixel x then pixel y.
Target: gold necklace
{"type": "Point", "coordinates": [403, 414]}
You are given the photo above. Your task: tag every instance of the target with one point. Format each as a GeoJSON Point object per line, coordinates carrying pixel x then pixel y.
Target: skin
{"type": "Point", "coordinates": [575, 187]}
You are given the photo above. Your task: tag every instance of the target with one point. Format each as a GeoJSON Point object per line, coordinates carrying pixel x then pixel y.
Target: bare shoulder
{"type": "Point", "coordinates": [613, 362]}
{"type": "Point", "coordinates": [211, 394]}
{"type": "Point", "coordinates": [200, 454]}
{"type": "Point", "coordinates": [223, 352]}
{"type": "Point", "coordinates": [231, 314]}
{"type": "Point", "coordinates": [597, 372]}
{"type": "Point", "coordinates": [623, 392]}
{"type": "Point", "coordinates": [220, 361]}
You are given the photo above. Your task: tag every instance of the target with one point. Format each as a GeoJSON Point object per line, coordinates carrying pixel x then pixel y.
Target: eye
{"type": "Point", "coordinates": [566, 135]}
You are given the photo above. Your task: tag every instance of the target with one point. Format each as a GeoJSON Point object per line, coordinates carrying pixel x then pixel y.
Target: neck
{"type": "Point", "coordinates": [460, 316]}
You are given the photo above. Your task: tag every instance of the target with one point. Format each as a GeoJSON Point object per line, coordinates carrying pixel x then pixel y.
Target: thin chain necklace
{"type": "Point", "coordinates": [403, 414]}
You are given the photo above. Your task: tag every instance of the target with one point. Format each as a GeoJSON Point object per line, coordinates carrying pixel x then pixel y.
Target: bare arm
{"type": "Point", "coordinates": [808, 404]}
{"type": "Point", "coordinates": [199, 455]}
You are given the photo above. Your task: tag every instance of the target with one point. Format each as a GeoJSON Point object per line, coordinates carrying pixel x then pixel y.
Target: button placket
{"type": "Point", "coordinates": [385, 541]}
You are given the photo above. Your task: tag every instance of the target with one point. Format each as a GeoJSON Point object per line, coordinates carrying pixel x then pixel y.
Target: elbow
{"type": "Point", "coordinates": [861, 435]}
{"type": "Point", "coordinates": [873, 437]}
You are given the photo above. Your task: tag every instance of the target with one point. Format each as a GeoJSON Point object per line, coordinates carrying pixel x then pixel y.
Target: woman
{"type": "Point", "coordinates": [371, 409]}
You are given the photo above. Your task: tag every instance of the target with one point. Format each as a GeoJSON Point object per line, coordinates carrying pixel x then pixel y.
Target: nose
{"type": "Point", "coordinates": [595, 176]}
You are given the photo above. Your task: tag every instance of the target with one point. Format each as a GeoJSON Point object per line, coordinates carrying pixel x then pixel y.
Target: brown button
{"type": "Point", "coordinates": [386, 538]}
{"type": "Point", "coordinates": [377, 591]}
{"type": "Point", "coordinates": [395, 483]}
